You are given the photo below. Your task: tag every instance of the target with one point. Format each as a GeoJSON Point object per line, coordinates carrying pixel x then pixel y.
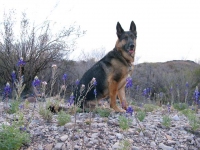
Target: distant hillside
{"type": "Point", "coordinates": [160, 77]}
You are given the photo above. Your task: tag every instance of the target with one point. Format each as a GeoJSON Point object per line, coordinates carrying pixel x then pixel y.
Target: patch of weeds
{"type": "Point", "coordinates": [14, 107]}
{"type": "Point", "coordinates": [88, 121]}
{"type": "Point", "coordinates": [186, 112]}
{"type": "Point", "coordinates": [26, 104]}
{"type": "Point", "coordinates": [63, 118]}
{"type": "Point", "coordinates": [125, 145]}
{"type": "Point", "coordinates": [124, 122]}
{"type": "Point", "coordinates": [150, 107]}
{"type": "Point", "coordinates": [103, 112]}
{"type": "Point", "coordinates": [194, 121]}
{"type": "Point", "coordinates": [141, 115]}
{"type": "Point", "coordinates": [12, 138]}
{"type": "Point", "coordinates": [166, 121]}
{"type": "Point", "coordinates": [180, 106]}
{"type": "Point", "coordinates": [45, 113]}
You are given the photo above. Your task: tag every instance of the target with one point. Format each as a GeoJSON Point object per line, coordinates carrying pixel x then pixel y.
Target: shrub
{"type": "Point", "coordinates": [11, 138]}
{"type": "Point", "coordinates": [141, 115]}
{"type": "Point", "coordinates": [14, 107]}
{"type": "Point", "coordinates": [186, 112]}
{"type": "Point", "coordinates": [125, 145]}
{"type": "Point", "coordinates": [124, 122]}
{"type": "Point", "coordinates": [103, 112]}
{"type": "Point", "coordinates": [45, 113]}
{"type": "Point", "coordinates": [150, 107]}
{"type": "Point", "coordinates": [63, 118]}
{"type": "Point", "coordinates": [180, 106]}
{"type": "Point", "coordinates": [194, 121]}
{"type": "Point", "coordinates": [166, 121]}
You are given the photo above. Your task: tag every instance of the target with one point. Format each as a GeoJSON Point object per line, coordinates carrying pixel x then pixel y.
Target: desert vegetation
{"type": "Point", "coordinates": [37, 83]}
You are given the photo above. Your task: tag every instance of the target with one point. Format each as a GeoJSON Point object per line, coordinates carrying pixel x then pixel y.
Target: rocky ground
{"type": "Point", "coordinates": [105, 133]}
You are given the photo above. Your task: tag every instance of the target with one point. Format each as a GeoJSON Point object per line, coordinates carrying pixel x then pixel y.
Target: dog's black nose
{"type": "Point", "coordinates": [131, 46]}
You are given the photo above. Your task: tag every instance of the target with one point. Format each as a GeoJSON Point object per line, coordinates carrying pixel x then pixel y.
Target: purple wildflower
{"type": "Point", "coordinates": [64, 77]}
{"type": "Point", "coordinates": [77, 82]}
{"type": "Point", "coordinates": [14, 76]}
{"type": "Point", "coordinates": [21, 62]}
{"type": "Point", "coordinates": [71, 99]}
{"type": "Point", "coordinates": [130, 110]}
{"type": "Point", "coordinates": [94, 81]}
{"type": "Point", "coordinates": [171, 89]}
{"type": "Point", "coordinates": [95, 92]}
{"type": "Point", "coordinates": [7, 90]}
{"type": "Point", "coordinates": [187, 85]}
{"type": "Point", "coordinates": [36, 82]}
{"type": "Point", "coordinates": [196, 95]}
{"type": "Point", "coordinates": [129, 82]}
{"type": "Point", "coordinates": [144, 93]}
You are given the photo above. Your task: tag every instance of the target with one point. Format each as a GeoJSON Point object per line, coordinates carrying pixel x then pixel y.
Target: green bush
{"type": "Point", "coordinates": [103, 112]}
{"type": "Point", "coordinates": [141, 115]}
{"type": "Point", "coordinates": [150, 107]}
{"type": "Point", "coordinates": [194, 121]}
{"type": "Point", "coordinates": [124, 122]}
{"type": "Point", "coordinates": [14, 107]}
{"type": "Point", "coordinates": [186, 112]}
{"type": "Point", "coordinates": [11, 138]}
{"type": "Point", "coordinates": [63, 118]}
{"type": "Point", "coordinates": [166, 121]}
{"type": "Point", "coordinates": [45, 113]}
{"type": "Point", "coordinates": [125, 145]}
{"type": "Point", "coordinates": [180, 106]}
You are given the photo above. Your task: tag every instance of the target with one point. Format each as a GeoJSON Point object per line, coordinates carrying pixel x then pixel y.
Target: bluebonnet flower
{"type": "Point", "coordinates": [187, 85]}
{"type": "Point", "coordinates": [21, 62]}
{"type": "Point", "coordinates": [130, 110]}
{"type": "Point", "coordinates": [7, 90]}
{"type": "Point", "coordinates": [64, 77]}
{"type": "Point", "coordinates": [95, 92]}
{"type": "Point", "coordinates": [14, 76]}
{"type": "Point", "coordinates": [129, 82]}
{"type": "Point", "coordinates": [36, 82]}
{"type": "Point", "coordinates": [77, 82]}
{"type": "Point", "coordinates": [171, 89]}
{"type": "Point", "coordinates": [144, 93]}
{"type": "Point", "coordinates": [71, 99]}
{"type": "Point", "coordinates": [196, 95]}
{"type": "Point", "coordinates": [94, 82]}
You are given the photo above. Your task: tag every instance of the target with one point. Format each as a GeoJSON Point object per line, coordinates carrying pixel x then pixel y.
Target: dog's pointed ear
{"type": "Point", "coordinates": [120, 30]}
{"type": "Point", "coordinates": [133, 27]}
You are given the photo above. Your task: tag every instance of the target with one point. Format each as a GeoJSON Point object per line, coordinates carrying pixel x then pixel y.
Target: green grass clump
{"type": "Point", "coordinates": [14, 107]}
{"type": "Point", "coordinates": [103, 112]}
{"type": "Point", "coordinates": [45, 113]}
{"type": "Point", "coordinates": [180, 106]}
{"type": "Point", "coordinates": [63, 118]}
{"type": "Point", "coordinates": [193, 121]}
{"type": "Point", "coordinates": [141, 115]}
{"type": "Point", "coordinates": [150, 107]}
{"type": "Point", "coordinates": [186, 112]}
{"type": "Point", "coordinates": [125, 145]}
{"type": "Point", "coordinates": [124, 122]}
{"type": "Point", "coordinates": [166, 121]}
{"type": "Point", "coordinates": [11, 138]}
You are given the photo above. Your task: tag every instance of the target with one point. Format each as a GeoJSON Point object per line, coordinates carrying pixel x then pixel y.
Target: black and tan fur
{"type": "Point", "coordinates": [112, 70]}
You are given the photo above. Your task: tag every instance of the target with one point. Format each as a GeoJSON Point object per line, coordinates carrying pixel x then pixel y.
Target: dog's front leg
{"type": "Point", "coordinates": [113, 89]}
{"type": "Point", "coordinates": [122, 97]}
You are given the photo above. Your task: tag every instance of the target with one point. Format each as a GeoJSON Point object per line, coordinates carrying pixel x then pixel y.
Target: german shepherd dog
{"type": "Point", "coordinates": [111, 71]}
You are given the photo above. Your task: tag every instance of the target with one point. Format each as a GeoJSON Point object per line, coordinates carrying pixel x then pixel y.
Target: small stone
{"type": "Point", "coordinates": [58, 146]}
{"type": "Point", "coordinates": [48, 147]}
{"type": "Point", "coordinates": [165, 147]}
{"type": "Point", "coordinates": [119, 136]}
{"type": "Point", "coordinates": [153, 144]}
{"type": "Point", "coordinates": [63, 138]}
{"type": "Point", "coordinates": [176, 118]}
